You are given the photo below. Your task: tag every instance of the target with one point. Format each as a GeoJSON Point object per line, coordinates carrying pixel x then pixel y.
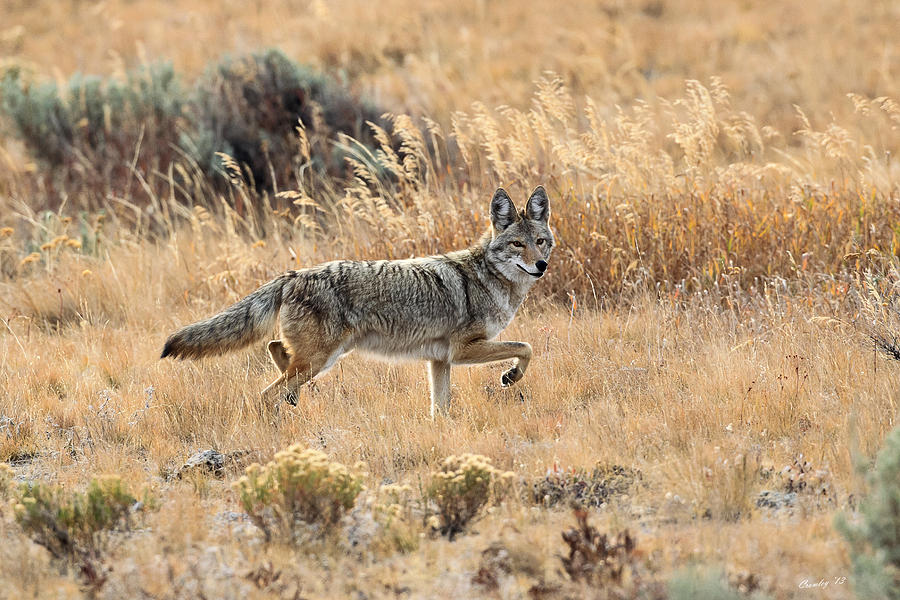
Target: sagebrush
{"type": "Point", "coordinates": [461, 488]}
{"type": "Point", "coordinates": [298, 492]}
{"type": "Point", "coordinates": [875, 536]}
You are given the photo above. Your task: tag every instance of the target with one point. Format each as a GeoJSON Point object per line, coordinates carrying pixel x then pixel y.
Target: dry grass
{"type": "Point", "coordinates": [703, 403]}
{"type": "Point", "coordinates": [724, 259]}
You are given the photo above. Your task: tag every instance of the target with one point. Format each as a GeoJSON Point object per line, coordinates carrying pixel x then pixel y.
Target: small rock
{"type": "Point", "coordinates": [230, 516]}
{"type": "Point", "coordinates": [776, 500]}
{"type": "Point", "coordinates": [361, 529]}
{"type": "Point", "coordinates": [211, 461]}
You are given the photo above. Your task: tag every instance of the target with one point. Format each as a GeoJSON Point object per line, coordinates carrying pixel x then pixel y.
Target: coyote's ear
{"type": "Point", "coordinates": [503, 212]}
{"type": "Point", "coordinates": [538, 207]}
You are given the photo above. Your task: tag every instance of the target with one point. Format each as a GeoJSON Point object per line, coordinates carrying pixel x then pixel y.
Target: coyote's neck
{"type": "Point", "coordinates": [505, 291]}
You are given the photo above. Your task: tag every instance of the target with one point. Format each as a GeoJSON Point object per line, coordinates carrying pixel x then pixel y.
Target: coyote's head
{"type": "Point", "coordinates": [520, 242]}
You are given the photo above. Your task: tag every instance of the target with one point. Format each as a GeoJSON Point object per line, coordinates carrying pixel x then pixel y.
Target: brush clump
{"type": "Point", "coordinates": [462, 486]}
{"type": "Point", "coordinates": [298, 492]}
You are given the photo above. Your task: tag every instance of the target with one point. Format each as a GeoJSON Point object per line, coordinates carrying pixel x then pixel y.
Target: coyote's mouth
{"type": "Point", "coordinates": [535, 275]}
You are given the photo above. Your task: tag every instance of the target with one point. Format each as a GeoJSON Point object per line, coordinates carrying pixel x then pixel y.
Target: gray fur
{"type": "Point", "coordinates": [444, 309]}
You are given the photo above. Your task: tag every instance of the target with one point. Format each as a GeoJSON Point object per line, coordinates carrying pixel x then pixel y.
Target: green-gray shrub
{"type": "Point", "coordinates": [77, 528]}
{"type": "Point", "coordinates": [248, 108]}
{"type": "Point", "coordinates": [74, 525]}
{"type": "Point", "coordinates": [98, 123]}
{"type": "Point", "coordinates": [95, 137]}
{"type": "Point", "coordinates": [875, 539]}
{"type": "Point", "coordinates": [705, 584]}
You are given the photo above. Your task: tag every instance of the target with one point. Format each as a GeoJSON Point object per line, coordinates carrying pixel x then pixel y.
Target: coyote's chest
{"type": "Point", "coordinates": [498, 320]}
{"type": "Point", "coordinates": [493, 328]}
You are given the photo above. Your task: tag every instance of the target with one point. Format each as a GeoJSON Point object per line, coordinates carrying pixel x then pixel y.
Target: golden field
{"type": "Point", "coordinates": [724, 184]}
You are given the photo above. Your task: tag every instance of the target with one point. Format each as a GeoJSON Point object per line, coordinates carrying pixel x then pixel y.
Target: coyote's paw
{"type": "Point", "coordinates": [511, 376]}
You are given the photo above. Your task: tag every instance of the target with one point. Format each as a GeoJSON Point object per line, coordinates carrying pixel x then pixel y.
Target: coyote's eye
{"type": "Point", "coordinates": [517, 244]}
{"type": "Point", "coordinates": [541, 241]}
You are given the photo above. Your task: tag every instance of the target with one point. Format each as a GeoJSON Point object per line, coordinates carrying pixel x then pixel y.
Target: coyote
{"type": "Point", "coordinates": [445, 309]}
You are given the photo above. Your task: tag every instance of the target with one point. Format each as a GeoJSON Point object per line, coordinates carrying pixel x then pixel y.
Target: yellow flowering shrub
{"type": "Point", "coordinates": [393, 510]}
{"type": "Point", "coordinates": [74, 524]}
{"type": "Point", "coordinates": [299, 488]}
{"type": "Point", "coordinates": [78, 528]}
{"type": "Point", "coordinates": [462, 486]}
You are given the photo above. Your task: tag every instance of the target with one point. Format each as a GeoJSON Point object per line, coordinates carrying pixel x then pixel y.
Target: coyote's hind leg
{"type": "Point", "coordinates": [295, 374]}
{"type": "Point", "coordinates": [304, 361]}
{"type": "Point", "coordinates": [279, 355]}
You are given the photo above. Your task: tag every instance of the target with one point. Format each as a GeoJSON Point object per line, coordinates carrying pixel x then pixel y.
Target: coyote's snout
{"type": "Point", "coordinates": [445, 309]}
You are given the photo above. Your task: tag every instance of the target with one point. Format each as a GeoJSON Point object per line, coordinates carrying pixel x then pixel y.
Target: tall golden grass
{"type": "Point", "coordinates": [693, 196]}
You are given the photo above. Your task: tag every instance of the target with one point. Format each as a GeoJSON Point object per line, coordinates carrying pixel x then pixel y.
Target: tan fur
{"type": "Point", "coordinates": [445, 309]}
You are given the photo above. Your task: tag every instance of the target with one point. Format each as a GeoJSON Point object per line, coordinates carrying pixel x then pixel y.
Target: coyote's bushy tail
{"type": "Point", "coordinates": [239, 325]}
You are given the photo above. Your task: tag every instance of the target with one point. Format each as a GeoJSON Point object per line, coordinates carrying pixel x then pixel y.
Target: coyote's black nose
{"type": "Point", "coordinates": [541, 265]}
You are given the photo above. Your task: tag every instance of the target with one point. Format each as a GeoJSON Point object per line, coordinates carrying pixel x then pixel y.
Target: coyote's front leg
{"type": "Point", "coordinates": [483, 351]}
{"type": "Point", "coordinates": [440, 386]}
